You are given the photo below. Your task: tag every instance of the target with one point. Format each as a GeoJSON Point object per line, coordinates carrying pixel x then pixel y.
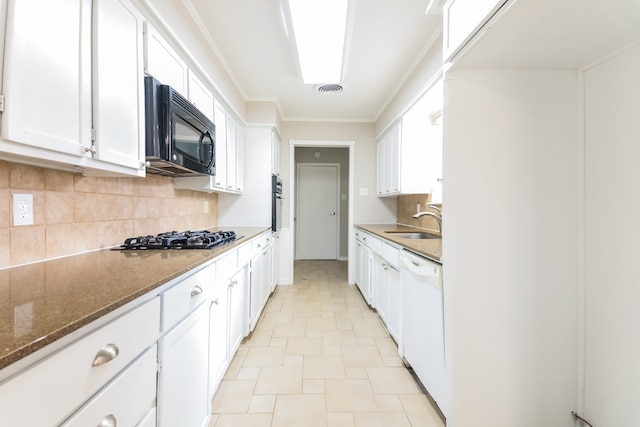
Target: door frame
{"type": "Point", "coordinates": [297, 207]}
{"type": "Point", "coordinates": [293, 143]}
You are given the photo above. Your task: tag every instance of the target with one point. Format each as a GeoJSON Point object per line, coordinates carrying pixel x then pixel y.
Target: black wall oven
{"type": "Point", "coordinates": [276, 203]}
{"type": "Point", "coordinates": [180, 139]}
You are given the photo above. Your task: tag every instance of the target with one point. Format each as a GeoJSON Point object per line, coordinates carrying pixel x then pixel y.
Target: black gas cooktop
{"type": "Point", "coordinates": [180, 240]}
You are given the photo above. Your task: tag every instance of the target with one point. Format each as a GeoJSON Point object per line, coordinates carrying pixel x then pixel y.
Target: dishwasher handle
{"type": "Point", "coordinates": [423, 268]}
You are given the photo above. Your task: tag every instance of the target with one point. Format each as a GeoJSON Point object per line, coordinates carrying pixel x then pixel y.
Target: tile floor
{"type": "Point", "coordinates": [320, 357]}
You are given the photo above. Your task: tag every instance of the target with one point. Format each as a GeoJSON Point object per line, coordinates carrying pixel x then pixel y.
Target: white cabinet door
{"type": "Point", "coordinates": [239, 158]}
{"type": "Point", "coordinates": [255, 298]}
{"type": "Point", "coordinates": [231, 154]}
{"type": "Point", "coordinates": [200, 96]}
{"type": "Point", "coordinates": [220, 180]}
{"type": "Point", "coordinates": [392, 312]}
{"type": "Point", "coordinates": [365, 271]}
{"type": "Point", "coordinates": [183, 382]}
{"type": "Point", "coordinates": [163, 62]}
{"type": "Point", "coordinates": [275, 153]}
{"type": "Point", "coordinates": [392, 149]}
{"type": "Point", "coordinates": [236, 311]}
{"type": "Point", "coordinates": [379, 291]}
{"type": "Point", "coordinates": [47, 75]}
{"type": "Point", "coordinates": [118, 86]}
{"type": "Point", "coordinates": [218, 325]}
{"type": "Point", "coordinates": [380, 166]}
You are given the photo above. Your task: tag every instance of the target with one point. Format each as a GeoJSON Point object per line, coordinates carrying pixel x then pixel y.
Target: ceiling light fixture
{"type": "Point", "coordinates": [319, 30]}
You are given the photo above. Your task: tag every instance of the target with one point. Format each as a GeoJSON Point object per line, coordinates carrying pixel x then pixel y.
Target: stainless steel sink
{"type": "Point", "coordinates": [413, 235]}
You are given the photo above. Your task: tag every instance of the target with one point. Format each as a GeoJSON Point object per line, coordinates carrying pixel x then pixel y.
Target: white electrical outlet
{"type": "Point", "coordinates": [206, 207]}
{"type": "Point", "coordinates": [22, 209]}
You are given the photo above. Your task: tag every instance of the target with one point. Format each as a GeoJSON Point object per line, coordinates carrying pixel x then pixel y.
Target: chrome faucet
{"type": "Point", "coordinates": [432, 215]}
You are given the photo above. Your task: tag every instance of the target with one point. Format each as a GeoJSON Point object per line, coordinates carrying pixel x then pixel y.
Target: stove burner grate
{"type": "Point", "coordinates": [180, 240]}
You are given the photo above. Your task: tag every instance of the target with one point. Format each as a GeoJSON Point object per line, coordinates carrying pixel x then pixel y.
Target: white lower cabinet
{"type": "Point", "coordinates": [235, 293]}
{"type": "Point", "coordinates": [363, 265]}
{"type": "Point", "coordinates": [218, 355]}
{"type": "Point", "coordinates": [261, 277]}
{"type": "Point", "coordinates": [385, 284]}
{"type": "Point", "coordinates": [393, 303]}
{"type": "Point", "coordinates": [183, 386]}
{"type": "Point", "coordinates": [83, 369]}
{"type": "Point", "coordinates": [158, 364]}
{"type": "Point", "coordinates": [126, 400]}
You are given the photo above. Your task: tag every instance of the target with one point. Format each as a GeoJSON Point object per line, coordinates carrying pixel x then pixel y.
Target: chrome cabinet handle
{"type": "Point", "coordinates": [215, 301]}
{"type": "Point", "coordinates": [417, 264]}
{"type": "Point", "coordinates": [235, 282]}
{"type": "Point", "coordinates": [108, 421]}
{"type": "Point", "coordinates": [197, 290]}
{"type": "Point", "coordinates": [106, 354]}
{"type": "Point", "coordinates": [259, 245]}
{"type": "Point", "coordinates": [93, 149]}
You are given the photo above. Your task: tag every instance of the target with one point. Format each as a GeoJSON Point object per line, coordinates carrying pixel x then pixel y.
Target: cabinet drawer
{"type": "Point", "coordinates": [257, 245]}
{"type": "Point", "coordinates": [126, 400]}
{"type": "Point", "coordinates": [184, 297]}
{"type": "Point", "coordinates": [244, 254]}
{"type": "Point", "coordinates": [375, 244]}
{"type": "Point", "coordinates": [390, 254]}
{"type": "Point", "coordinates": [72, 369]}
{"type": "Point", "coordinates": [226, 266]}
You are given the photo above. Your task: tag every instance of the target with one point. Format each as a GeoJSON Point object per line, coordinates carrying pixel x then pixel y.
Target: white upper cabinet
{"type": "Point", "coordinates": [118, 84]}
{"type": "Point", "coordinates": [200, 96]}
{"type": "Point", "coordinates": [231, 154]}
{"type": "Point", "coordinates": [275, 152]}
{"type": "Point", "coordinates": [220, 179]}
{"type": "Point", "coordinates": [163, 62]}
{"type": "Point", "coordinates": [60, 88]}
{"type": "Point", "coordinates": [463, 19]}
{"type": "Point", "coordinates": [410, 153]}
{"type": "Point", "coordinates": [47, 75]}
{"type": "Point", "coordinates": [229, 175]}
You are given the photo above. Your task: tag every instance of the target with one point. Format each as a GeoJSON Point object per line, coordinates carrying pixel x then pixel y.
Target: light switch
{"type": "Point", "coordinates": [364, 191]}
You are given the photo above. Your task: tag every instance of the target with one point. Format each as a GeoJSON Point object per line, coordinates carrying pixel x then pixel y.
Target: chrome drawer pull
{"type": "Point", "coordinates": [108, 421]}
{"type": "Point", "coordinates": [105, 355]}
{"type": "Point", "coordinates": [215, 301]}
{"type": "Point", "coordinates": [197, 290]}
{"type": "Point", "coordinates": [235, 282]}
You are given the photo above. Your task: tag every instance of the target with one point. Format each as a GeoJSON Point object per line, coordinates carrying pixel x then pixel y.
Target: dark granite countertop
{"type": "Point", "coordinates": [429, 248]}
{"type": "Point", "coordinates": [45, 301]}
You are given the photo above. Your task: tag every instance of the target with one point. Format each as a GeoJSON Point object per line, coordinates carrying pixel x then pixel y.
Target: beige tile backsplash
{"type": "Point", "coordinates": [74, 213]}
{"type": "Point", "coordinates": [407, 207]}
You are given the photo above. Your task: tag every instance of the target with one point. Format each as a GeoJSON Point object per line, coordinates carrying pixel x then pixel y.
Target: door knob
{"type": "Point", "coordinates": [332, 213]}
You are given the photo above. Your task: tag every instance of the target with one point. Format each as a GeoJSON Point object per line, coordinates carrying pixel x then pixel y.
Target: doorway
{"type": "Point", "coordinates": [317, 211]}
{"type": "Point", "coordinates": [347, 241]}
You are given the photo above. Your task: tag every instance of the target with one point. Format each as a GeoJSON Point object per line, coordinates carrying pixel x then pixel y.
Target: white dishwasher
{"type": "Point", "coordinates": [422, 342]}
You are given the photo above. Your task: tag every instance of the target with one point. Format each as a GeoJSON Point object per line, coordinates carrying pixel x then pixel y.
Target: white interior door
{"type": "Point", "coordinates": [317, 218]}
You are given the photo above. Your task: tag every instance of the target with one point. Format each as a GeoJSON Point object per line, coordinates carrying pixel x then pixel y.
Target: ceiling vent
{"type": "Point", "coordinates": [329, 88]}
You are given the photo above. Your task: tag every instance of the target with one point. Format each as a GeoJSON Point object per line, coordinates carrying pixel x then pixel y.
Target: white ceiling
{"type": "Point", "coordinates": [388, 38]}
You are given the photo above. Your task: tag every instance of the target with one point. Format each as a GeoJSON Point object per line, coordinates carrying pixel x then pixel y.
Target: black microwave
{"type": "Point", "coordinates": [180, 139]}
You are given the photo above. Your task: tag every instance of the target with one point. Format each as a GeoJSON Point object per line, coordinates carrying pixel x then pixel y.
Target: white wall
{"type": "Point", "coordinates": [253, 206]}
{"type": "Point", "coordinates": [612, 154]}
{"type": "Point", "coordinates": [368, 209]}
{"type": "Point", "coordinates": [511, 246]}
